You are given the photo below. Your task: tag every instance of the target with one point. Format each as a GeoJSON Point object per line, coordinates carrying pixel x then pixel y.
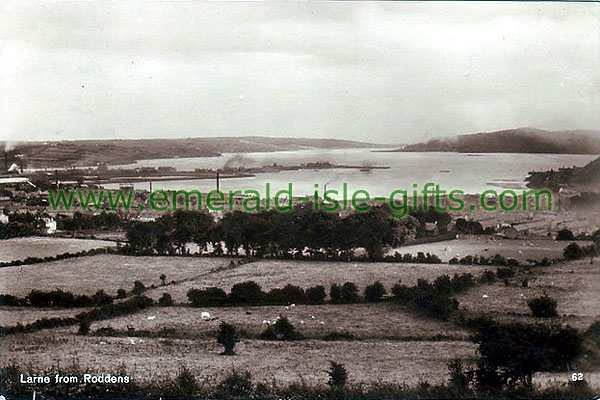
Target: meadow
{"type": "Point", "coordinates": [382, 342]}
{"type": "Point", "coordinates": [20, 248]}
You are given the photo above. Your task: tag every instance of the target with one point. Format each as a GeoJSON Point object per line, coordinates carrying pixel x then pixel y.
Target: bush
{"type": "Point", "coordinates": [459, 379]}
{"type": "Point", "coordinates": [281, 330]}
{"type": "Point", "coordinates": [84, 327]}
{"type": "Point", "coordinates": [246, 293]}
{"type": "Point", "coordinates": [290, 294]}
{"type": "Point", "coordinates": [138, 288]}
{"type": "Point", "coordinates": [543, 306]}
{"type": "Point", "coordinates": [237, 384]}
{"type": "Point", "coordinates": [487, 277]}
{"type": "Point", "coordinates": [349, 293]}
{"type": "Point", "coordinates": [505, 272]}
{"type": "Point", "coordinates": [565, 234]}
{"type": "Point", "coordinates": [338, 376]}
{"type": "Point", "coordinates": [572, 252]}
{"type": "Point", "coordinates": [335, 293]}
{"type": "Point", "coordinates": [100, 298]}
{"type": "Point", "coordinates": [163, 279]}
{"type": "Point", "coordinates": [165, 300]}
{"type": "Point", "coordinates": [121, 294]}
{"type": "Point", "coordinates": [375, 292]}
{"type": "Point", "coordinates": [315, 295]}
{"type": "Point", "coordinates": [227, 337]}
{"type": "Point", "coordinates": [185, 382]}
{"type": "Point", "coordinates": [517, 350]}
{"type": "Point", "coordinates": [212, 296]}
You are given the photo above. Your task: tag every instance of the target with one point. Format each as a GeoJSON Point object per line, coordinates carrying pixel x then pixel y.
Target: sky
{"type": "Point", "coordinates": [387, 72]}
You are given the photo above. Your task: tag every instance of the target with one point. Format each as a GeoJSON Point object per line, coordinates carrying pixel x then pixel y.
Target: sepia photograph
{"type": "Point", "coordinates": [299, 199]}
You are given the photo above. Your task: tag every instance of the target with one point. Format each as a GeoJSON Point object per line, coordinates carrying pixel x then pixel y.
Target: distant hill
{"type": "Point", "coordinates": [93, 152]}
{"type": "Point", "coordinates": [587, 176]}
{"type": "Point", "coordinates": [522, 140]}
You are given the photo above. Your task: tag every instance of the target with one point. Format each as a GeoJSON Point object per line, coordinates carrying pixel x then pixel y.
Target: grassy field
{"type": "Point", "coordinates": [364, 321]}
{"type": "Point", "coordinates": [277, 273]}
{"type": "Point", "coordinates": [391, 344]}
{"type": "Point", "coordinates": [573, 284]}
{"type": "Point", "coordinates": [366, 361]}
{"type": "Point", "coordinates": [21, 248]}
{"type": "Point", "coordinates": [519, 249]}
{"type": "Point", "coordinates": [86, 275]}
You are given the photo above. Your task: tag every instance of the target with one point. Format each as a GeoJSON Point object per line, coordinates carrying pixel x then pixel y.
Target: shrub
{"type": "Point", "coordinates": [458, 377]}
{"type": "Point", "coordinates": [185, 382]}
{"type": "Point", "coordinates": [237, 384]}
{"type": "Point", "coordinates": [138, 288]}
{"type": "Point", "coordinates": [335, 293]}
{"type": "Point", "coordinates": [121, 294]}
{"type": "Point", "coordinates": [212, 296]}
{"type": "Point", "coordinates": [565, 234]}
{"type": "Point", "coordinates": [10, 300]}
{"type": "Point", "coordinates": [572, 252]}
{"type": "Point", "coordinates": [100, 298]}
{"type": "Point", "coordinates": [288, 295]}
{"type": "Point", "coordinates": [462, 282]}
{"type": "Point", "coordinates": [281, 330]}
{"type": "Point", "coordinates": [227, 337]}
{"type": "Point", "coordinates": [349, 293]}
{"type": "Point", "coordinates": [165, 300]}
{"type": "Point", "coordinates": [315, 295]}
{"type": "Point", "coordinates": [543, 306]}
{"type": "Point", "coordinates": [338, 376]}
{"type": "Point", "coordinates": [84, 327]}
{"type": "Point", "coordinates": [375, 292]}
{"type": "Point", "coordinates": [487, 277]}
{"type": "Point", "coordinates": [517, 350]}
{"type": "Point", "coordinates": [246, 293]}
{"type": "Point", "coordinates": [293, 294]}
{"type": "Point", "coordinates": [163, 279]}
{"type": "Point", "coordinates": [505, 272]}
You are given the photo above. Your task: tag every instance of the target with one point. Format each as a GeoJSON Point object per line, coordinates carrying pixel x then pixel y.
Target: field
{"type": "Point", "coordinates": [386, 342]}
{"type": "Point", "coordinates": [519, 249]}
{"type": "Point", "coordinates": [20, 248]}
{"type": "Point", "coordinates": [572, 284]}
{"type": "Point", "coordinates": [85, 275]}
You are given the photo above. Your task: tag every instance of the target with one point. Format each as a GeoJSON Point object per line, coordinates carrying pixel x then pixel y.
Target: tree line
{"type": "Point", "coordinates": [319, 234]}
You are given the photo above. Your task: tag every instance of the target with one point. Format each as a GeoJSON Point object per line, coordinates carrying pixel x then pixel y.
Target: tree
{"type": "Point", "coordinates": [515, 351]}
{"type": "Point", "coordinates": [565, 234]}
{"type": "Point", "coordinates": [212, 296]}
{"type": "Point", "coordinates": [349, 293]}
{"type": "Point", "coordinates": [375, 292]}
{"type": "Point", "coordinates": [315, 295]}
{"type": "Point", "coordinates": [337, 375]}
{"type": "Point", "coordinates": [335, 293]}
{"type": "Point", "coordinates": [228, 338]}
{"type": "Point", "coordinates": [248, 292]}
{"type": "Point", "coordinates": [163, 279]}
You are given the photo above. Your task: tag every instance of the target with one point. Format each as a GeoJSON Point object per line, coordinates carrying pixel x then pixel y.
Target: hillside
{"type": "Point", "coordinates": [522, 140]}
{"type": "Point", "coordinates": [588, 176]}
{"type": "Point", "coordinates": [93, 152]}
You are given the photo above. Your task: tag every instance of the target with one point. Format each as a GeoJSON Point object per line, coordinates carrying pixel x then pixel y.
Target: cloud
{"type": "Point", "coordinates": [391, 72]}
